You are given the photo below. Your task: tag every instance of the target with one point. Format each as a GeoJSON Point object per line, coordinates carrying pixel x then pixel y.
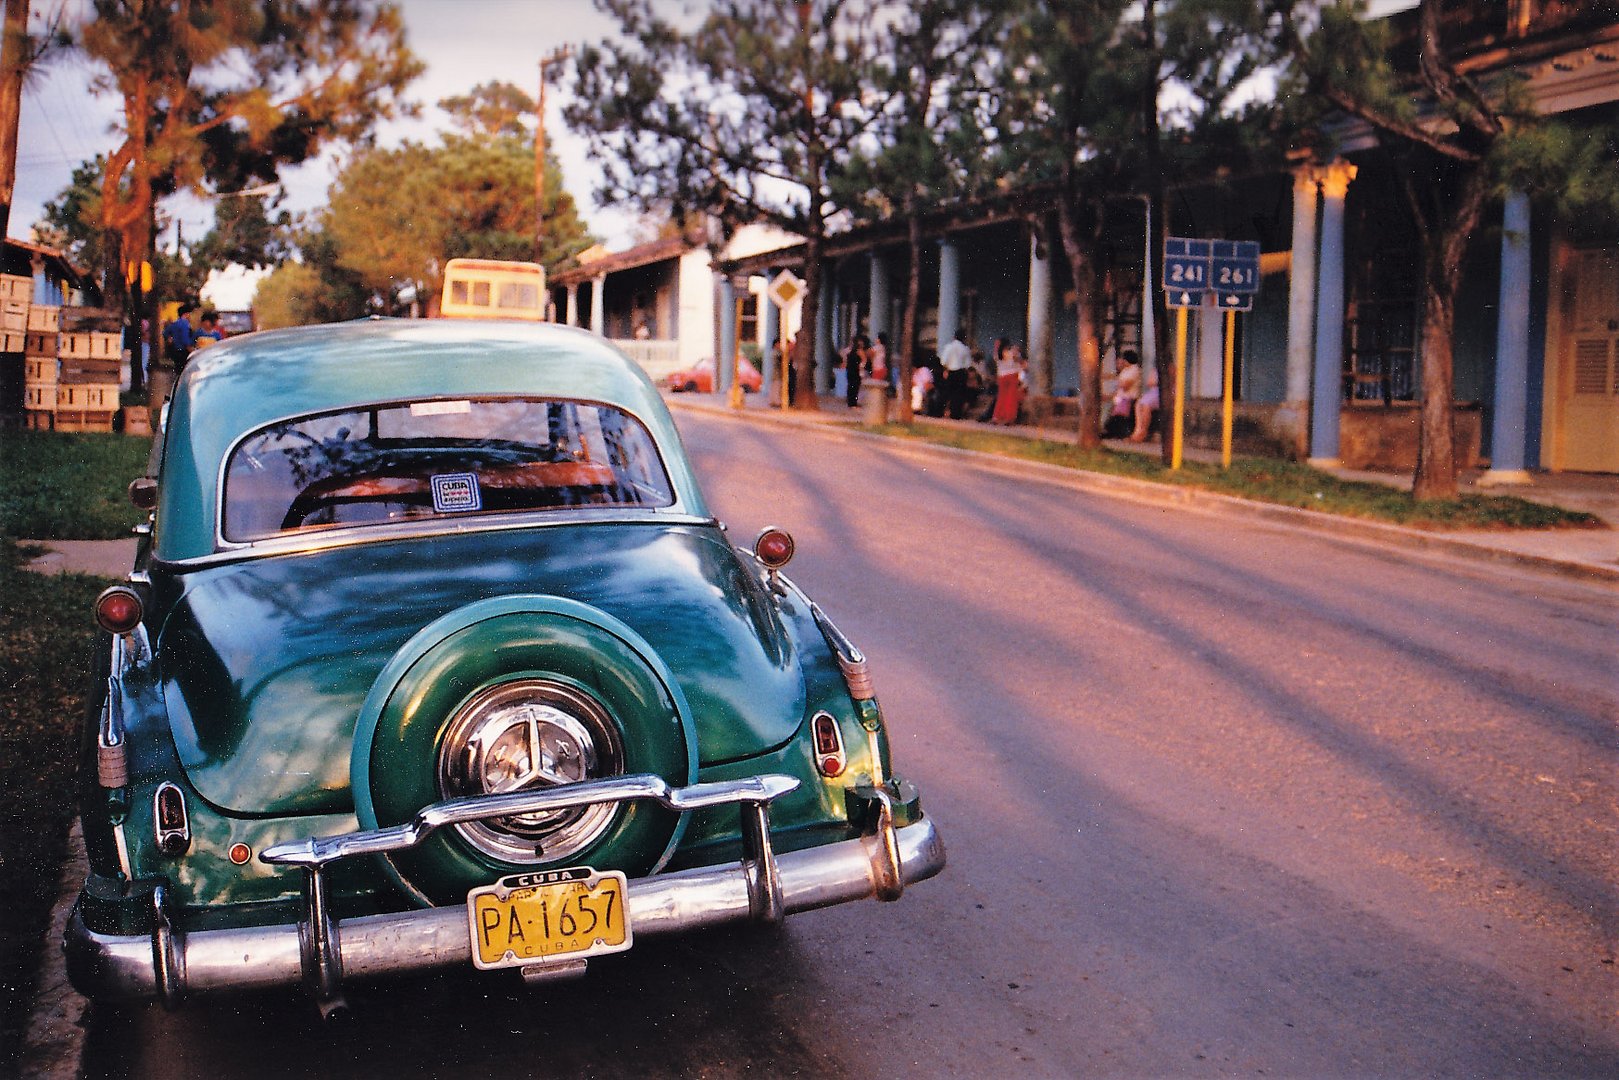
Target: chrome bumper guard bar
{"type": "Point", "coordinates": [322, 952]}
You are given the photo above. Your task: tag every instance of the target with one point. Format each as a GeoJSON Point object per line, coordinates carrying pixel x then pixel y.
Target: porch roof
{"type": "Point", "coordinates": [669, 247]}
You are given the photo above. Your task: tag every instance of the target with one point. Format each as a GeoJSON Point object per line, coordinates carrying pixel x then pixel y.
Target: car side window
{"type": "Point", "coordinates": [438, 458]}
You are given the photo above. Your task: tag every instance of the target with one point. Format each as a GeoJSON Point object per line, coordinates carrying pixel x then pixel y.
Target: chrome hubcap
{"type": "Point", "coordinates": [532, 733]}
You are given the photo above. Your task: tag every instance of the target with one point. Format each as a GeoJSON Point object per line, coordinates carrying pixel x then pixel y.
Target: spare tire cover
{"type": "Point", "coordinates": [394, 767]}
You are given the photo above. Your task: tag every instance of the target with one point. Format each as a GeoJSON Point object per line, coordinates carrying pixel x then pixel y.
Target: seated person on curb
{"type": "Point", "coordinates": [1146, 409]}
{"type": "Point", "coordinates": [1120, 420]}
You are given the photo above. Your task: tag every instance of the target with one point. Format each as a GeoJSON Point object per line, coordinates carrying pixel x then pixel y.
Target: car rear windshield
{"type": "Point", "coordinates": [436, 459]}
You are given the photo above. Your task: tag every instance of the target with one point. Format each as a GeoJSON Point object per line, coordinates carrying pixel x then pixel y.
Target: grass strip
{"type": "Point", "coordinates": [1268, 480]}
{"type": "Point", "coordinates": [60, 486]}
{"type": "Point", "coordinates": [46, 640]}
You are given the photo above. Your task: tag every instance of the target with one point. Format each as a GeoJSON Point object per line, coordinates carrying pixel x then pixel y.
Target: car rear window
{"type": "Point", "coordinates": [438, 459]}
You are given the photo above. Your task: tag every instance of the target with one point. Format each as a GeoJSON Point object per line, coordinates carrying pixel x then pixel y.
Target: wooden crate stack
{"type": "Point", "coordinates": [72, 368]}
{"type": "Point", "coordinates": [15, 292]}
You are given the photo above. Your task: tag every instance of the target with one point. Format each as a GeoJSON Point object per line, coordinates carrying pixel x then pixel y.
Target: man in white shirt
{"type": "Point", "coordinates": [955, 358]}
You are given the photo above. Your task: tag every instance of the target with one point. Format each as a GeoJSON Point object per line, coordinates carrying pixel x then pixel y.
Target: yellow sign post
{"type": "Point", "coordinates": [786, 387]}
{"type": "Point", "coordinates": [1177, 433]}
{"type": "Point", "coordinates": [1226, 403]}
{"type": "Point", "coordinates": [736, 361]}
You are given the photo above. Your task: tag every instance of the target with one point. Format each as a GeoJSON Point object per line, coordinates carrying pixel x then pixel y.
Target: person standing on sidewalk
{"type": "Point", "coordinates": [854, 363]}
{"type": "Point", "coordinates": [179, 338]}
{"type": "Point", "coordinates": [1009, 376]}
{"type": "Point", "coordinates": [955, 358]}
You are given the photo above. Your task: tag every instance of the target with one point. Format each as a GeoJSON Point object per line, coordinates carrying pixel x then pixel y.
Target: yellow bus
{"type": "Point", "coordinates": [490, 289]}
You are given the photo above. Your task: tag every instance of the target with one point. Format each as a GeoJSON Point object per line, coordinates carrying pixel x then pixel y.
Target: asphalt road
{"type": "Point", "coordinates": [1220, 799]}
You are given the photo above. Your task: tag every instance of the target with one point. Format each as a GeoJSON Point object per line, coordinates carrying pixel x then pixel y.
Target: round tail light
{"type": "Point", "coordinates": [773, 547]}
{"type": "Point", "coordinates": [119, 609]}
{"type": "Point", "coordinates": [143, 492]}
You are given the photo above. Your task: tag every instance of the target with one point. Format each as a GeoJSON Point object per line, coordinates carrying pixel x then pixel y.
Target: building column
{"type": "Point", "coordinates": [1206, 379]}
{"type": "Point", "coordinates": [823, 332]}
{"type": "Point", "coordinates": [1327, 401]}
{"type": "Point", "coordinates": [727, 355]}
{"type": "Point", "coordinates": [949, 291]}
{"type": "Point", "coordinates": [1511, 350]}
{"type": "Point", "coordinates": [573, 304]}
{"type": "Point", "coordinates": [770, 320]}
{"type": "Point", "coordinates": [1041, 367]}
{"type": "Point", "coordinates": [598, 304]}
{"type": "Point", "coordinates": [1301, 293]}
{"type": "Point", "coordinates": [877, 318]}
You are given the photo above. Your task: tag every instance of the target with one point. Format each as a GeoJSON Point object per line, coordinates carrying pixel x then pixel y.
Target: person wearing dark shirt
{"type": "Point", "coordinates": [179, 338]}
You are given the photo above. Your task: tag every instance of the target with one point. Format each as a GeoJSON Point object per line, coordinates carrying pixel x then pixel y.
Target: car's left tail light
{"type": "Point", "coordinates": [119, 609]}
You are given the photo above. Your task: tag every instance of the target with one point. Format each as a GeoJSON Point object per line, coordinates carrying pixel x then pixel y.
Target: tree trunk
{"type": "Point", "coordinates": [803, 356]}
{"type": "Point", "coordinates": [1447, 239]}
{"type": "Point", "coordinates": [907, 332]}
{"type": "Point", "coordinates": [13, 65]}
{"type": "Point", "coordinates": [1151, 137]}
{"type": "Point", "coordinates": [1436, 432]}
{"type": "Point", "coordinates": [1079, 245]}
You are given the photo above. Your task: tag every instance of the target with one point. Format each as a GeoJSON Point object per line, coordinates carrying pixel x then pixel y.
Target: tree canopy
{"type": "Point", "coordinates": [1104, 100]}
{"type": "Point", "coordinates": [925, 147]}
{"type": "Point", "coordinates": [220, 95]}
{"type": "Point", "coordinates": [395, 217]}
{"type": "Point", "coordinates": [746, 114]}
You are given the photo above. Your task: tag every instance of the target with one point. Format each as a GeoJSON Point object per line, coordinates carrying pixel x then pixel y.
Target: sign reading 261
{"type": "Point", "coordinates": [1235, 266]}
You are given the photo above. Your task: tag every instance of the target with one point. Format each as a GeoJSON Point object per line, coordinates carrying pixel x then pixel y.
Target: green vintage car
{"type": "Point", "coordinates": [434, 656]}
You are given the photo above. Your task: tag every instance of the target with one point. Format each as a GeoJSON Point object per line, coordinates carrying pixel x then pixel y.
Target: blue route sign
{"type": "Point", "coordinates": [1234, 272]}
{"type": "Point", "coordinates": [1186, 270]}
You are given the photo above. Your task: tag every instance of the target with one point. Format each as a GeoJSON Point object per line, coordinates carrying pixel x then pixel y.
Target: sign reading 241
{"type": "Point", "coordinates": [1186, 271]}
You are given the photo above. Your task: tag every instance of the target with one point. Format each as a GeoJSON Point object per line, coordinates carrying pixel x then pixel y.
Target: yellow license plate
{"type": "Point", "coordinates": [550, 915]}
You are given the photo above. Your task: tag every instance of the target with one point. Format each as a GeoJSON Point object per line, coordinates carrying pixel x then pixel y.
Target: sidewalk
{"type": "Point", "coordinates": [1586, 553]}
{"type": "Point", "coordinates": [104, 558]}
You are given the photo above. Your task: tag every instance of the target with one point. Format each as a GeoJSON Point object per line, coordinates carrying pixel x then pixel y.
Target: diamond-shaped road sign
{"type": "Point", "coordinates": [785, 290]}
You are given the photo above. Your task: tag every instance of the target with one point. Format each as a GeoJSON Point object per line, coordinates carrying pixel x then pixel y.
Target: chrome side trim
{"type": "Point", "coordinates": [851, 661]}
{"type": "Point", "coordinates": [116, 966]}
{"type": "Point", "coordinates": [129, 651]}
{"type": "Point", "coordinates": [353, 536]}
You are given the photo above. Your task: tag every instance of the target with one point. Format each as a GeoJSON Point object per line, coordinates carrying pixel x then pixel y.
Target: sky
{"type": "Point", "coordinates": [462, 42]}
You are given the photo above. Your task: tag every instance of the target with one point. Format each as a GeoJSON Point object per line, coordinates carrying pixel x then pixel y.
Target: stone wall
{"type": "Point", "coordinates": [1379, 437]}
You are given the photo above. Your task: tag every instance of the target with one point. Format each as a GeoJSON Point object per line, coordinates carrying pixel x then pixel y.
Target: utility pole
{"type": "Point", "coordinates": [14, 61]}
{"type": "Point", "coordinates": [555, 57]}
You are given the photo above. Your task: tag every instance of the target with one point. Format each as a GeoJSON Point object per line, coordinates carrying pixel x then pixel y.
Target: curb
{"type": "Point", "coordinates": [1330, 526]}
{"type": "Point", "coordinates": [53, 1045]}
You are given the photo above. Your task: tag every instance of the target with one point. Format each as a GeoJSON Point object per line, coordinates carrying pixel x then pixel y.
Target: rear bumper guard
{"type": "Point", "coordinates": [322, 952]}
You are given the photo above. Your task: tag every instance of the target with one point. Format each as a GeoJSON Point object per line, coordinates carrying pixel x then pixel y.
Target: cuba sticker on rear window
{"type": "Point", "coordinates": [454, 493]}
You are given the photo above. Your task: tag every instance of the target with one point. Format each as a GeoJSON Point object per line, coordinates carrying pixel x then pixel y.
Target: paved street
{"type": "Point", "coordinates": [1220, 799]}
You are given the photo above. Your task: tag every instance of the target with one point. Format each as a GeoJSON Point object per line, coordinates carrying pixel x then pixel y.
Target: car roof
{"type": "Point", "coordinates": [245, 383]}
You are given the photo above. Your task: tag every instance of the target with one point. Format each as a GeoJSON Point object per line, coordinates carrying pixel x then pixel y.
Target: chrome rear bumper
{"type": "Point", "coordinates": [321, 952]}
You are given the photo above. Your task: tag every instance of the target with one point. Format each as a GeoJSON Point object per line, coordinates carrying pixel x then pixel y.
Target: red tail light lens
{"type": "Point", "coordinates": [119, 609]}
{"type": "Point", "coordinates": [829, 756]}
{"type": "Point", "coordinates": [774, 547]}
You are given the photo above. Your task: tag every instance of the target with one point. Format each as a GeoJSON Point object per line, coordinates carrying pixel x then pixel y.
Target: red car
{"type": "Point", "coordinates": [700, 377]}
